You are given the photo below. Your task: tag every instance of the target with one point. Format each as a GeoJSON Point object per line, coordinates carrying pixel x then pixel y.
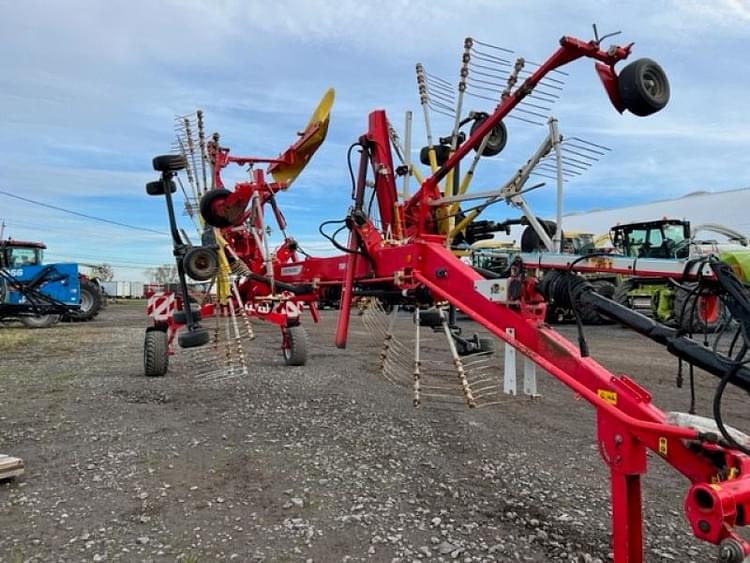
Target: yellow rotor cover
{"type": "Point", "coordinates": [298, 155]}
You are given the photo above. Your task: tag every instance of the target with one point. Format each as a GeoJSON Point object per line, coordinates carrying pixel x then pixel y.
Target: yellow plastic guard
{"type": "Point", "coordinates": [223, 289]}
{"type": "Point", "coordinates": [298, 155]}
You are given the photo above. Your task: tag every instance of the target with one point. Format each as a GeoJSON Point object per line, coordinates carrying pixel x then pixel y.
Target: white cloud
{"type": "Point", "coordinates": [89, 90]}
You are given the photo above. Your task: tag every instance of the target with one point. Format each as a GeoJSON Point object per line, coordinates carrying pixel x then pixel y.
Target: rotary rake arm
{"type": "Point", "coordinates": [570, 49]}
{"type": "Point", "coordinates": [627, 422]}
{"type": "Point", "coordinates": [407, 254]}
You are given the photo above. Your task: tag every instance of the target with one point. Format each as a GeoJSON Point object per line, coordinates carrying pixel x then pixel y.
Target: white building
{"type": "Point", "coordinates": [730, 208]}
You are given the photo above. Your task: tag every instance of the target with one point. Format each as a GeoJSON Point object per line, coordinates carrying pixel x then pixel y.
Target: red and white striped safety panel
{"type": "Point", "coordinates": [160, 306]}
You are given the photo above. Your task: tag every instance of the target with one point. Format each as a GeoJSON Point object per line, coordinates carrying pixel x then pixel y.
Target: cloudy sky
{"type": "Point", "coordinates": [89, 91]}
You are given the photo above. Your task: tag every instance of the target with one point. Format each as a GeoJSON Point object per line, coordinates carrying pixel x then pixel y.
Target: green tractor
{"type": "Point", "coordinates": [663, 299]}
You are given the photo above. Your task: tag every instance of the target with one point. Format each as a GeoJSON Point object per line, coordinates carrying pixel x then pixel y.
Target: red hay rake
{"type": "Point", "coordinates": [234, 254]}
{"type": "Point", "coordinates": [405, 258]}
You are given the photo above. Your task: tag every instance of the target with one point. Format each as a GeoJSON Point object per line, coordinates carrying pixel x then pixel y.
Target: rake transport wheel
{"type": "Point", "coordinates": [294, 345]}
{"type": "Point", "coordinates": [207, 208]}
{"type": "Point", "coordinates": [643, 87]}
{"type": "Point", "coordinates": [42, 321]}
{"type": "Point", "coordinates": [704, 315]}
{"type": "Point", "coordinates": [155, 353]}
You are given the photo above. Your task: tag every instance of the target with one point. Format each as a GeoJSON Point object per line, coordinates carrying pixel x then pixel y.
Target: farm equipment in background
{"type": "Point", "coordinates": [494, 257]}
{"type": "Point", "coordinates": [673, 299]}
{"type": "Point", "coordinates": [35, 293]}
{"type": "Point", "coordinates": [250, 279]}
{"type": "Point", "coordinates": [18, 255]}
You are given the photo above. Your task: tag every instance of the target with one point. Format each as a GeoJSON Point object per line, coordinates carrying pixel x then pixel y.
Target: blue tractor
{"type": "Point", "coordinates": [37, 294]}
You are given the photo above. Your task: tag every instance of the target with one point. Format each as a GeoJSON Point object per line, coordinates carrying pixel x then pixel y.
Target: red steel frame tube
{"type": "Point", "coordinates": [627, 421]}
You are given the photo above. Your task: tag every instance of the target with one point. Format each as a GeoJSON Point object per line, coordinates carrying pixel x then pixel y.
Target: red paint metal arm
{"type": "Point", "coordinates": [570, 50]}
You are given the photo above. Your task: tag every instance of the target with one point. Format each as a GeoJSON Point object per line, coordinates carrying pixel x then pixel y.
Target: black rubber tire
{"type": "Point", "coordinates": [91, 301]}
{"type": "Point", "coordinates": [169, 163]}
{"type": "Point", "coordinates": [442, 152]}
{"type": "Point", "coordinates": [157, 187]}
{"type": "Point", "coordinates": [556, 315]}
{"type": "Point", "coordinates": [487, 345]}
{"type": "Point", "coordinates": [201, 263]}
{"type": "Point", "coordinates": [643, 87]}
{"type": "Point", "coordinates": [530, 241]}
{"type": "Point", "coordinates": [690, 321]}
{"type": "Point", "coordinates": [42, 321]}
{"type": "Point", "coordinates": [179, 315]}
{"type": "Point", "coordinates": [206, 208]}
{"type": "Point", "coordinates": [589, 315]}
{"type": "Point", "coordinates": [193, 338]}
{"type": "Point", "coordinates": [621, 293]}
{"type": "Point", "coordinates": [498, 137]}
{"type": "Point", "coordinates": [430, 318]}
{"type": "Point", "coordinates": [155, 353]}
{"type": "Point", "coordinates": [604, 288]}
{"type": "Point", "coordinates": [296, 352]}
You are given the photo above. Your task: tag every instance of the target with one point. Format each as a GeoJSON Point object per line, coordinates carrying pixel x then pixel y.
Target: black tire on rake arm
{"type": "Point", "coordinates": [206, 208]}
{"type": "Point", "coordinates": [643, 87]}
{"type": "Point", "coordinates": [193, 338]}
{"type": "Point", "coordinates": [295, 353]}
{"type": "Point", "coordinates": [155, 353]}
{"type": "Point", "coordinates": [169, 163]}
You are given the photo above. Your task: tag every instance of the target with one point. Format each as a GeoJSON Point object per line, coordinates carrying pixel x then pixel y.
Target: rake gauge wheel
{"type": "Point", "coordinates": [193, 338]}
{"type": "Point", "coordinates": [643, 87]}
{"type": "Point", "coordinates": [169, 163]}
{"type": "Point", "coordinates": [180, 317]}
{"type": "Point", "coordinates": [430, 318]}
{"type": "Point", "coordinates": [201, 263]}
{"type": "Point", "coordinates": [207, 205]}
{"type": "Point", "coordinates": [530, 241]}
{"type": "Point", "coordinates": [497, 139]}
{"type": "Point", "coordinates": [442, 153]}
{"type": "Point", "coordinates": [157, 187]}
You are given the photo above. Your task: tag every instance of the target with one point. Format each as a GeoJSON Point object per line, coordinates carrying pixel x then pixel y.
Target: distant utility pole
{"type": "Point", "coordinates": [2, 229]}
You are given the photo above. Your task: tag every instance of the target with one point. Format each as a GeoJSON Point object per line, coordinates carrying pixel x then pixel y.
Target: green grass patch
{"type": "Point", "coordinates": [62, 378]}
{"type": "Point", "coordinates": [11, 338]}
{"type": "Point", "coordinates": [17, 555]}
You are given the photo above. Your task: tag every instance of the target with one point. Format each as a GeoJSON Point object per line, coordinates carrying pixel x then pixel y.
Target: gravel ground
{"type": "Point", "coordinates": [324, 463]}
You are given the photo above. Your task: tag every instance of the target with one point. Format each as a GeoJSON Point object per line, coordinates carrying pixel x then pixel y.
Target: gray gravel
{"type": "Point", "coordinates": [323, 463]}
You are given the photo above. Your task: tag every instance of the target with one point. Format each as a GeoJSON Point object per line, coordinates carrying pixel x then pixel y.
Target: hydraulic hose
{"type": "Point", "coordinates": [570, 290]}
